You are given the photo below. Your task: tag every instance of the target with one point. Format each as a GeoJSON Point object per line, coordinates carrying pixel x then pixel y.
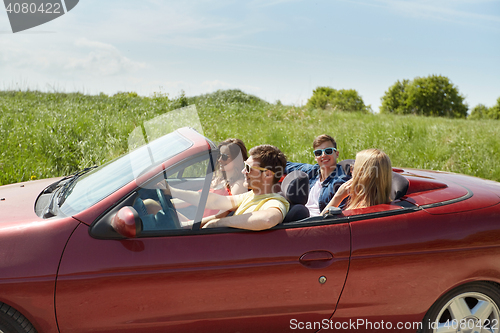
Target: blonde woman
{"type": "Point", "coordinates": [371, 181]}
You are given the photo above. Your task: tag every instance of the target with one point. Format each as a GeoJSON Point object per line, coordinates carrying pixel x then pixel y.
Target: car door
{"type": "Point", "coordinates": [221, 282]}
{"type": "Point", "coordinates": [214, 280]}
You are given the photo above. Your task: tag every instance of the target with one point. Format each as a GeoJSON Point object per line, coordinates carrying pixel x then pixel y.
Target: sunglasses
{"type": "Point", "coordinates": [224, 157]}
{"type": "Point", "coordinates": [249, 168]}
{"type": "Point", "coordinates": [327, 151]}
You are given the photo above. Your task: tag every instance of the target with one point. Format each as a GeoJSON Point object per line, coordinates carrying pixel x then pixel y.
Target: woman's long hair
{"type": "Point", "coordinates": [371, 179]}
{"type": "Point", "coordinates": [237, 150]}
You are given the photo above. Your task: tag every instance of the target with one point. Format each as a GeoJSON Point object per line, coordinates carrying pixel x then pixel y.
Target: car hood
{"type": "Point", "coordinates": [17, 201]}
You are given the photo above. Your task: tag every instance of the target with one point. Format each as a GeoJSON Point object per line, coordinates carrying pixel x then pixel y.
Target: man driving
{"type": "Point", "coordinates": [259, 209]}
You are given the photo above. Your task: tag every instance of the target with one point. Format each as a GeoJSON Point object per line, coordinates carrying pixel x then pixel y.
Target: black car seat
{"type": "Point", "coordinates": [347, 166]}
{"type": "Point", "coordinates": [399, 186]}
{"type": "Point", "coordinates": [295, 188]}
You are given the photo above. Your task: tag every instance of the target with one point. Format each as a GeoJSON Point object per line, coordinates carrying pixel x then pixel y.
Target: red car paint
{"type": "Point", "coordinates": [383, 263]}
{"type": "Point", "coordinates": [30, 251]}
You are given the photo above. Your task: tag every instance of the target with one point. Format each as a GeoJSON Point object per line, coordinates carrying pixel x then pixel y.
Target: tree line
{"type": "Point", "coordinates": [434, 95]}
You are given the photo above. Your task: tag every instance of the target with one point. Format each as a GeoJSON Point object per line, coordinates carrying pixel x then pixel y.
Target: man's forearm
{"type": "Point", "coordinates": [260, 220]}
{"type": "Point", "coordinates": [191, 197]}
{"type": "Point", "coordinates": [214, 201]}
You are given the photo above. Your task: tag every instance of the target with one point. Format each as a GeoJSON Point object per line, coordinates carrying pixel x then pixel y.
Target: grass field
{"type": "Point", "coordinates": [53, 134]}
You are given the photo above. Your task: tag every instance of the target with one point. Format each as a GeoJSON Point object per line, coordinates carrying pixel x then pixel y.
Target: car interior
{"type": "Point", "coordinates": [295, 188]}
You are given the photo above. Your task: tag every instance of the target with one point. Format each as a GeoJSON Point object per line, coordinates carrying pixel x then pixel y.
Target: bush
{"type": "Point", "coordinates": [223, 97]}
{"type": "Point", "coordinates": [434, 95]}
{"type": "Point", "coordinates": [480, 111]}
{"type": "Point", "coordinates": [341, 100]}
{"type": "Point", "coordinates": [395, 98]}
{"type": "Point", "coordinates": [494, 111]}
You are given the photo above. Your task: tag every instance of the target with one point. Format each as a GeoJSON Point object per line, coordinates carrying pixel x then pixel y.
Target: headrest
{"type": "Point", "coordinates": [295, 187]}
{"type": "Point", "coordinates": [399, 186]}
{"type": "Point", "coordinates": [346, 166]}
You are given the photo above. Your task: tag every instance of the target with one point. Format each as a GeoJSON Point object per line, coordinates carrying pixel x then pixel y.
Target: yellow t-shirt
{"type": "Point", "coordinates": [249, 202]}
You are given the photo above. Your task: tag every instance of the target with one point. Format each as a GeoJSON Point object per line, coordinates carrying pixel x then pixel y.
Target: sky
{"type": "Point", "coordinates": [274, 49]}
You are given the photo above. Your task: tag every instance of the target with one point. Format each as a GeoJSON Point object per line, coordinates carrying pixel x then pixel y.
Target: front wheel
{"type": "Point", "coordinates": [471, 308]}
{"type": "Point", "coordinates": [11, 321]}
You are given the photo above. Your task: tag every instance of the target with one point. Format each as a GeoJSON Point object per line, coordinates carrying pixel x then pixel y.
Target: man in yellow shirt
{"type": "Point", "coordinates": [259, 209]}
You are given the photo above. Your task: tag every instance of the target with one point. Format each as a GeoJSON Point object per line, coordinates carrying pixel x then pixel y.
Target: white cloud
{"type": "Point", "coordinates": [278, 46]}
{"type": "Point", "coordinates": [443, 10]}
{"type": "Point", "coordinates": [19, 54]}
{"type": "Point", "coordinates": [268, 3]}
{"type": "Point", "coordinates": [162, 21]}
{"type": "Point", "coordinates": [96, 59]}
{"type": "Point", "coordinates": [214, 85]}
{"type": "Point", "coordinates": [102, 59]}
{"type": "Point", "coordinates": [200, 25]}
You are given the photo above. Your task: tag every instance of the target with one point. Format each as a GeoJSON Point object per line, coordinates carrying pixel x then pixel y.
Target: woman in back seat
{"type": "Point", "coordinates": [371, 181]}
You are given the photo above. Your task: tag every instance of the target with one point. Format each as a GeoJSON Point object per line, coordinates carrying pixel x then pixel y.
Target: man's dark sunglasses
{"type": "Point", "coordinates": [328, 151]}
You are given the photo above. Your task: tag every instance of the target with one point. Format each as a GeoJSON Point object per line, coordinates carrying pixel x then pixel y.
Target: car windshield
{"type": "Point", "coordinates": [101, 182]}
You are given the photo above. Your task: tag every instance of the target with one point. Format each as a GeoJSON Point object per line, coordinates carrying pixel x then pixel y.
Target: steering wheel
{"type": "Point", "coordinates": [140, 207]}
{"type": "Point", "coordinates": [168, 208]}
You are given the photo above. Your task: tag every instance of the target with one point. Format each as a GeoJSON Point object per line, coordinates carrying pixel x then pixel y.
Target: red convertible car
{"type": "Point", "coordinates": [82, 254]}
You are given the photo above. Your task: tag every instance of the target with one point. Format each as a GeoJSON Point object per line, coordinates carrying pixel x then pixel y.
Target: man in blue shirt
{"type": "Point", "coordinates": [325, 177]}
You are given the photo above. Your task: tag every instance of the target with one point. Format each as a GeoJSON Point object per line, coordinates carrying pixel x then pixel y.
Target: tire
{"type": "Point", "coordinates": [12, 321]}
{"type": "Point", "coordinates": [471, 308]}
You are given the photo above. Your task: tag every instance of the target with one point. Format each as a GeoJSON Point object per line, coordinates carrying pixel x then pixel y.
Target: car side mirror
{"type": "Point", "coordinates": [127, 222]}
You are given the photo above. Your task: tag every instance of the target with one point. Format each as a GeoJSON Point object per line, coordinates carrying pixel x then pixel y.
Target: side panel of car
{"type": "Point", "coordinates": [480, 198]}
{"type": "Point", "coordinates": [401, 265]}
{"type": "Point", "coordinates": [234, 281]}
{"type": "Point", "coordinates": [480, 193]}
{"type": "Point", "coordinates": [27, 278]}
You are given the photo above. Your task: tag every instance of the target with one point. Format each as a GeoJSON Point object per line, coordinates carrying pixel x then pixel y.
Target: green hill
{"type": "Point", "coordinates": [54, 134]}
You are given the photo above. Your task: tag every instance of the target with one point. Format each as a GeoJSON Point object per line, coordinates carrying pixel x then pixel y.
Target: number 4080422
{"type": "Point", "coordinates": [43, 8]}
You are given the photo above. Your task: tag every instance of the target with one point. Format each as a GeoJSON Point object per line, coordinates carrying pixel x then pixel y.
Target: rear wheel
{"type": "Point", "coordinates": [471, 308]}
{"type": "Point", "coordinates": [12, 321]}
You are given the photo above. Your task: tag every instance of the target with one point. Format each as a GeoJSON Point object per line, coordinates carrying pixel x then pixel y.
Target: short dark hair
{"type": "Point", "coordinates": [270, 157]}
{"type": "Point", "coordinates": [323, 138]}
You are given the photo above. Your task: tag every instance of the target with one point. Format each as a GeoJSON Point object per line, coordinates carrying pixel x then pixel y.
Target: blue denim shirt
{"type": "Point", "coordinates": [329, 185]}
